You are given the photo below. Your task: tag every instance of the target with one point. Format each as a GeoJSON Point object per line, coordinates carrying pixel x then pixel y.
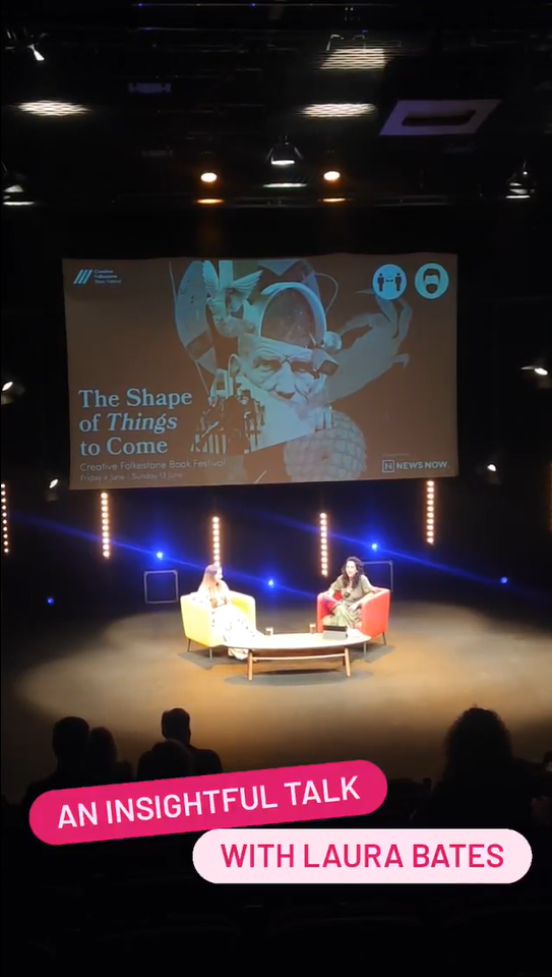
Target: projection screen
{"type": "Point", "coordinates": [223, 372]}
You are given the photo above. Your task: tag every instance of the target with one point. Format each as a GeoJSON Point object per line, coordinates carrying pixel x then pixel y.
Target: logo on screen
{"type": "Point", "coordinates": [98, 276]}
{"type": "Point", "coordinates": [388, 467]}
{"type": "Point", "coordinates": [389, 282]}
{"type": "Point", "coordinates": [431, 281]}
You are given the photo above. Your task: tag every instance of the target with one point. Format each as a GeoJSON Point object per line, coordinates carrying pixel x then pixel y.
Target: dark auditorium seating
{"type": "Point", "coordinates": [211, 941]}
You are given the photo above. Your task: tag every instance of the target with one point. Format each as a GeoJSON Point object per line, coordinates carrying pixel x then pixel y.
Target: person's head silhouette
{"type": "Point", "coordinates": [431, 279]}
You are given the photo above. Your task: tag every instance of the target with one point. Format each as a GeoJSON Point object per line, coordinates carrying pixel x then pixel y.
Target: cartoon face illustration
{"type": "Point", "coordinates": [289, 373]}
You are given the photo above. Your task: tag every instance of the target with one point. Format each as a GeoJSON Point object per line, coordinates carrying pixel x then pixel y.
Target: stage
{"type": "Point", "coordinates": [394, 710]}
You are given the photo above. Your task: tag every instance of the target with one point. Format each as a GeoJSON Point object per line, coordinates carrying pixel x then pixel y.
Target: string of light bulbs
{"type": "Point", "coordinates": [106, 528]}
{"type": "Point", "coordinates": [324, 555]}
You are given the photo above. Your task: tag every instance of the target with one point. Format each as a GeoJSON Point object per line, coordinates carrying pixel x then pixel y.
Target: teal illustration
{"type": "Point", "coordinates": [273, 369]}
{"type": "Point", "coordinates": [431, 281]}
{"type": "Point", "coordinates": [389, 282]}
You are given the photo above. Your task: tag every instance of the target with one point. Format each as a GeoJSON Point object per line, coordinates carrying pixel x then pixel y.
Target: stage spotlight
{"type": "Point", "coordinates": [53, 109]}
{"type": "Point", "coordinates": [353, 55]}
{"type": "Point", "coordinates": [332, 176]}
{"type": "Point", "coordinates": [11, 390]}
{"type": "Point", "coordinates": [55, 486]}
{"type": "Point", "coordinates": [210, 201]}
{"type": "Point", "coordinates": [284, 186]}
{"type": "Point", "coordinates": [50, 601]}
{"type": "Point", "coordinates": [491, 468]}
{"type": "Point", "coordinates": [539, 369]}
{"type": "Point", "coordinates": [270, 583]}
{"type": "Point", "coordinates": [208, 177]}
{"type": "Point", "coordinates": [430, 512]}
{"type": "Point", "coordinates": [374, 546]}
{"type": "Point", "coordinates": [504, 580]}
{"type": "Point", "coordinates": [159, 555]}
{"type": "Point", "coordinates": [5, 523]}
{"type": "Point", "coordinates": [106, 534]}
{"type": "Point", "coordinates": [339, 110]}
{"type": "Point", "coordinates": [284, 154]}
{"type": "Point", "coordinates": [36, 53]}
{"type": "Point", "coordinates": [215, 541]}
{"type": "Point", "coordinates": [323, 522]}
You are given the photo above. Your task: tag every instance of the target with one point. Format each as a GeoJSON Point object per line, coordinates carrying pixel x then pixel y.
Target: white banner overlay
{"type": "Point", "coordinates": [389, 856]}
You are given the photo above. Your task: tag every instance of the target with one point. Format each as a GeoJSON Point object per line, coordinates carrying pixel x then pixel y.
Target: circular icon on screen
{"type": "Point", "coordinates": [431, 281]}
{"type": "Point", "coordinates": [389, 282]}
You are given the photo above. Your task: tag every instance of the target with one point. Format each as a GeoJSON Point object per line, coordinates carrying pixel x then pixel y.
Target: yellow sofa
{"type": "Point", "coordinates": [197, 622]}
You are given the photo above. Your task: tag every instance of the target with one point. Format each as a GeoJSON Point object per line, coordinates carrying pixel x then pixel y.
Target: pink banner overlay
{"type": "Point", "coordinates": [343, 856]}
{"type": "Point", "coordinates": [196, 804]}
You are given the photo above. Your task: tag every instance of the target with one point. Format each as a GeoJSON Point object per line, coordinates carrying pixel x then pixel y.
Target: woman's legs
{"type": "Point", "coordinates": [342, 617]}
{"type": "Point", "coordinates": [237, 630]}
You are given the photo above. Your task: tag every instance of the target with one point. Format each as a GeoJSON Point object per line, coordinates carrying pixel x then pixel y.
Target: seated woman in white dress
{"type": "Point", "coordinates": [228, 620]}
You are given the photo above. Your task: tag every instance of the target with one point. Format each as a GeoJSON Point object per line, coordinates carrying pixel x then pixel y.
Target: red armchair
{"type": "Point", "coordinates": [375, 613]}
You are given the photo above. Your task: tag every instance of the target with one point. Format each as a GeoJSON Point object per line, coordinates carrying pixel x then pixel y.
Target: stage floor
{"type": "Point", "coordinates": [394, 710]}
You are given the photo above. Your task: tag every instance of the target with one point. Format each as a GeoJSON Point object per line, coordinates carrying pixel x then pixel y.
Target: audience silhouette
{"type": "Point", "coordinates": [165, 761]}
{"type": "Point", "coordinates": [103, 761]}
{"type": "Point", "coordinates": [483, 784]}
{"type": "Point", "coordinates": [70, 742]}
{"type": "Point", "coordinates": [141, 899]}
{"type": "Point", "coordinates": [176, 725]}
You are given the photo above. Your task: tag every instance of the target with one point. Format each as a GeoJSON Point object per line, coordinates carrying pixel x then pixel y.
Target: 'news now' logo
{"type": "Point", "coordinates": [98, 276]}
{"type": "Point", "coordinates": [389, 467]}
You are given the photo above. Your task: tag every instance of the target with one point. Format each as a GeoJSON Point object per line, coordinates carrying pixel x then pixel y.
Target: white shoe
{"type": "Point", "coordinates": [238, 653]}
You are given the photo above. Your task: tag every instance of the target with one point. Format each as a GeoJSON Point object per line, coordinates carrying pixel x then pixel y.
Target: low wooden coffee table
{"type": "Point", "coordinates": [307, 647]}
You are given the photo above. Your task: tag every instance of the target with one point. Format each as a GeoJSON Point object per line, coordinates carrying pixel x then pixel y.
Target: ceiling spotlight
{"type": "Point", "coordinates": [208, 177]}
{"type": "Point", "coordinates": [54, 488]}
{"type": "Point", "coordinates": [339, 110]}
{"type": "Point", "coordinates": [37, 55]}
{"type": "Point", "coordinates": [539, 371]}
{"type": "Point", "coordinates": [332, 176]}
{"type": "Point", "coordinates": [520, 185]}
{"type": "Point", "coordinates": [15, 188]}
{"type": "Point", "coordinates": [52, 109]}
{"type": "Point", "coordinates": [283, 154]}
{"type": "Point", "coordinates": [353, 55]}
{"type": "Point", "coordinates": [18, 203]}
{"type": "Point", "coordinates": [11, 390]}
{"type": "Point", "coordinates": [210, 201]}
{"type": "Point", "coordinates": [333, 200]}
{"type": "Point", "coordinates": [283, 186]}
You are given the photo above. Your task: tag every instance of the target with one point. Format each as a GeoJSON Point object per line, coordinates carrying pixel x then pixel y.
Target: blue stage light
{"type": "Point", "coordinates": [504, 579]}
{"type": "Point", "coordinates": [374, 546]}
{"type": "Point", "coordinates": [270, 583]}
{"type": "Point", "coordinates": [50, 601]}
{"type": "Point", "coordinates": [159, 555]}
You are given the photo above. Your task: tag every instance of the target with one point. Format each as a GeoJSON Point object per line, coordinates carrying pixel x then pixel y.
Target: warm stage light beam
{"type": "Point", "coordinates": [430, 512]}
{"type": "Point", "coordinates": [324, 555]}
{"type": "Point", "coordinates": [215, 541]}
{"type": "Point", "coordinates": [5, 524]}
{"type": "Point", "coordinates": [106, 530]}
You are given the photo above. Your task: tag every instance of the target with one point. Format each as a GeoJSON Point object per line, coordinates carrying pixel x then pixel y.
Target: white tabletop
{"type": "Point", "coordinates": [304, 642]}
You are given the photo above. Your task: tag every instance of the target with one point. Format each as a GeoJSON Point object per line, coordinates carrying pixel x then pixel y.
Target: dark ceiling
{"type": "Point", "coordinates": [160, 84]}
